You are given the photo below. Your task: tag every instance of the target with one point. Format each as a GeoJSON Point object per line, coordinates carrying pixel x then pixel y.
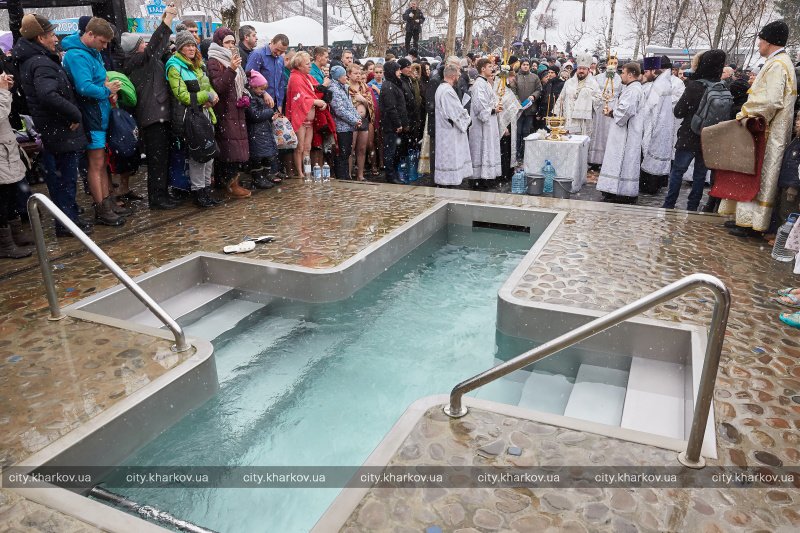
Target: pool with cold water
{"type": "Point", "coordinates": [321, 384]}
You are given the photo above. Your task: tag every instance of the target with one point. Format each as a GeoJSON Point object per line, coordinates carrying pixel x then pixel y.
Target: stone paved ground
{"type": "Point", "coordinates": [602, 256]}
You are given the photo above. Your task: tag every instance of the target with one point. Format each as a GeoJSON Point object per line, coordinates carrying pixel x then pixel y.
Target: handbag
{"type": "Point", "coordinates": [285, 136]}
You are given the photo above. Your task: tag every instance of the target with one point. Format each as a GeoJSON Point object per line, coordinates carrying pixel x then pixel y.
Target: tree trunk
{"type": "Point", "coordinates": [678, 16]}
{"type": "Point", "coordinates": [610, 40]}
{"type": "Point", "coordinates": [469, 21]}
{"type": "Point", "coordinates": [724, 11]}
{"type": "Point", "coordinates": [452, 21]}
{"type": "Point", "coordinates": [379, 27]}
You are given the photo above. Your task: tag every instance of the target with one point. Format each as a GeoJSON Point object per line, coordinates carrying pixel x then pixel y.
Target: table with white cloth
{"type": "Point", "coordinates": [570, 157]}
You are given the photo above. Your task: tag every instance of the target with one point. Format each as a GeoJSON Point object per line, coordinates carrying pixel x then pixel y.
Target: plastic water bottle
{"type": "Point", "coordinates": [307, 169]}
{"type": "Point", "coordinates": [549, 174]}
{"type": "Point", "coordinates": [326, 172]}
{"type": "Point", "coordinates": [317, 174]}
{"type": "Point", "coordinates": [519, 183]}
{"type": "Point", "coordinates": [779, 251]}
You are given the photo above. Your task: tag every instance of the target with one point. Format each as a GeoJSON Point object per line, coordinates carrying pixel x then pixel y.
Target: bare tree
{"type": "Point", "coordinates": [577, 33]}
{"type": "Point", "coordinates": [610, 38]}
{"type": "Point", "coordinates": [452, 22]}
{"type": "Point", "coordinates": [546, 21]}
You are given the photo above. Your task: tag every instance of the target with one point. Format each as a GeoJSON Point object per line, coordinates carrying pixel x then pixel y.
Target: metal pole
{"type": "Point", "coordinates": [716, 335]}
{"type": "Point", "coordinates": [324, 22]}
{"type": "Point", "coordinates": [36, 199]}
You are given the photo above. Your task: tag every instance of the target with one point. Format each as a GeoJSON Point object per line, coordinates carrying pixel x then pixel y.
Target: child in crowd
{"type": "Point", "coordinates": [263, 149]}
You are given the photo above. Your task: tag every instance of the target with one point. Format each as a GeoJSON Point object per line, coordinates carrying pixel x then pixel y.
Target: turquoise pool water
{"type": "Point", "coordinates": [321, 384]}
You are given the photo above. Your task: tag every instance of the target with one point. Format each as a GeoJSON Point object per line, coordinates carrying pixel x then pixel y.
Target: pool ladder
{"type": "Point", "coordinates": [716, 333]}
{"type": "Point", "coordinates": [39, 200]}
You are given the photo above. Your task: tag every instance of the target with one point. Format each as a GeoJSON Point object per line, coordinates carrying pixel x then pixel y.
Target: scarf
{"type": "Point", "coordinates": [223, 55]}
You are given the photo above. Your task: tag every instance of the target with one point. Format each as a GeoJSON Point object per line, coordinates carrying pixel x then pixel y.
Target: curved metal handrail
{"type": "Point", "coordinates": [719, 321]}
{"type": "Point", "coordinates": [37, 200]}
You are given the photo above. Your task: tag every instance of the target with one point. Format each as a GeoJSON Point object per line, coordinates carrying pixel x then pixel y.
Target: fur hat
{"type": "Point", "coordinates": [130, 42]}
{"type": "Point", "coordinates": [183, 38]}
{"type": "Point", "coordinates": [34, 25]}
{"type": "Point", "coordinates": [776, 32]}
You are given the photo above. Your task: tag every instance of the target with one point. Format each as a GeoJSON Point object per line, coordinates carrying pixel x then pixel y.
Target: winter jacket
{"type": "Point", "coordinates": [88, 74]}
{"type": "Point", "coordinates": [394, 114]}
{"type": "Point", "coordinates": [259, 128]}
{"type": "Point", "coordinates": [413, 19]}
{"type": "Point", "coordinates": [11, 168]}
{"type": "Point", "coordinates": [51, 98]}
{"type": "Point", "coordinates": [550, 93]}
{"type": "Point", "coordinates": [342, 108]}
{"type": "Point", "coordinates": [232, 139]}
{"type": "Point", "coordinates": [146, 71]}
{"type": "Point", "coordinates": [738, 88]}
{"type": "Point", "coordinates": [179, 72]}
{"type": "Point", "coordinates": [790, 167]}
{"type": "Point", "coordinates": [412, 112]}
{"type": "Point", "coordinates": [244, 53]}
{"type": "Point", "coordinates": [271, 67]}
{"type": "Point", "coordinates": [527, 86]}
{"type": "Point", "coordinates": [685, 109]}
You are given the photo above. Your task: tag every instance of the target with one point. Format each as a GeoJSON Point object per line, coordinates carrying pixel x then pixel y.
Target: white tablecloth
{"type": "Point", "coordinates": [569, 157]}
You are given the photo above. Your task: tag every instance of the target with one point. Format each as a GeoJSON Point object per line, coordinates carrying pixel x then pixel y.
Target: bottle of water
{"type": "Point", "coordinates": [549, 174]}
{"type": "Point", "coordinates": [519, 184]}
{"type": "Point", "coordinates": [317, 174]}
{"type": "Point", "coordinates": [779, 251]}
{"type": "Point", "coordinates": [307, 169]}
{"type": "Point", "coordinates": [326, 172]}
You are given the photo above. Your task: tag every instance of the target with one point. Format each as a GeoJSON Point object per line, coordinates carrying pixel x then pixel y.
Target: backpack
{"type": "Point", "coordinates": [715, 106]}
{"type": "Point", "coordinates": [123, 133]}
{"type": "Point", "coordinates": [198, 133]}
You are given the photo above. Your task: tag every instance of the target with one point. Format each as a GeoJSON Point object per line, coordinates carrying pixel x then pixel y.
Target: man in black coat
{"type": "Point", "coordinates": [394, 120]}
{"type": "Point", "coordinates": [144, 67]}
{"type": "Point", "coordinates": [412, 135]}
{"type": "Point", "coordinates": [413, 18]}
{"type": "Point", "coordinates": [248, 40]}
{"type": "Point", "coordinates": [54, 107]}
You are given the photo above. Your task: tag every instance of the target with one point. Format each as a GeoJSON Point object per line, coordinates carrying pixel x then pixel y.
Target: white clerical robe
{"type": "Point", "coordinates": [602, 123]}
{"type": "Point", "coordinates": [453, 161]}
{"type": "Point", "coordinates": [484, 135]}
{"type": "Point", "coordinates": [576, 104]}
{"type": "Point", "coordinates": [771, 96]}
{"type": "Point", "coordinates": [620, 172]}
{"type": "Point", "coordinates": [659, 126]}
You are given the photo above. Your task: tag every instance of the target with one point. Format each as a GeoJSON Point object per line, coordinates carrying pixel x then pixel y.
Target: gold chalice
{"type": "Point", "coordinates": [556, 125]}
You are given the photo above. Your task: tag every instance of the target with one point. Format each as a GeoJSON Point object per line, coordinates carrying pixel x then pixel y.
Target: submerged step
{"type": "Point", "coordinates": [654, 402]}
{"type": "Point", "coordinates": [183, 303]}
{"type": "Point", "coordinates": [546, 392]}
{"type": "Point", "coordinates": [222, 319]}
{"type": "Point", "coordinates": [598, 395]}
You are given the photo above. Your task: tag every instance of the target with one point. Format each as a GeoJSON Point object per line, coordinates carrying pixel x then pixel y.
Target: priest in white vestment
{"type": "Point", "coordinates": [619, 176]}
{"type": "Point", "coordinates": [772, 97]}
{"type": "Point", "coordinates": [453, 161]}
{"type": "Point", "coordinates": [484, 134]}
{"type": "Point", "coordinates": [659, 121]}
{"type": "Point", "coordinates": [610, 88]}
{"type": "Point", "coordinates": [577, 99]}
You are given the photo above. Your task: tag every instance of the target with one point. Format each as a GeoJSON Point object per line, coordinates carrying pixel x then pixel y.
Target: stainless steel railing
{"type": "Point", "coordinates": [719, 321]}
{"type": "Point", "coordinates": [37, 200]}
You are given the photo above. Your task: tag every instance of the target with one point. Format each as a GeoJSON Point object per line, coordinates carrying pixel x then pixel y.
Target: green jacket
{"type": "Point", "coordinates": [179, 69]}
{"type": "Point", "coordinates": [127, 92]}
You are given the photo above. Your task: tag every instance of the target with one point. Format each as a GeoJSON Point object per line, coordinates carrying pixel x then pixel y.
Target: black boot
{"type": "Point", "coordinates": [260, 179]}
{"type": "Point", "coordinates": [201, 198]}
{"type": "Point", "coordinates": [210, 196]}
{"type": "Point", "coordinates": [22, 232]}
{"type": "Point", "coordinates": [9, 249]}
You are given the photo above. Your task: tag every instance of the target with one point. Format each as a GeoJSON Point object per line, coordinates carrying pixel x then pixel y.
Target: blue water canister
{"type": "Point", "coordinates": [549, 174]}
{"type": "Point", "coordinates": [779, 251]}
{"type": "Point", "coordinates": [519, 183]}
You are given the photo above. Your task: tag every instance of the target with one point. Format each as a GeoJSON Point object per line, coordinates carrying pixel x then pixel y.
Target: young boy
{"type": "Point", "coordinates": [263, 150]}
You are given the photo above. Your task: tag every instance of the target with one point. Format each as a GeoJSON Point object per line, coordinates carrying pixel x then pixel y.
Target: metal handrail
{"type": "Point", "coordinates": [37, 200]}
{"type": "Point", "coordinates": [716, 334]}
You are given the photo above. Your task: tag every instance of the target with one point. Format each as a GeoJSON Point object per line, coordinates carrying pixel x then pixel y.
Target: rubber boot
{"type": "Point", "coordinates": [22, 232]}
{"type": "Point", "coordinates": [210, 196]}
{"type": "Point", "coordinates": [104, 213]}
{"type": "Point", "coordinates": [8, 248]}
{"type": "Point", "coordinates": [236, 190]}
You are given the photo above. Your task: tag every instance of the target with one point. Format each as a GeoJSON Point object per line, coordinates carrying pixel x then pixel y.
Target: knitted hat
{"type": "Point", "coordinates": [82, 22]}
{"type": "Point", "coordinates": [337, 71]}
{"type": "Point", "coordinates": [130, 42]}
{"type": "Point", "coordinates": [256, 79]}
{"type": "Point", "coordinates": [776, 33]}
{"type": "Point", "coordinates": [183, 38]}
{"type": "Point", "coordinates": [666, 62]}
{"type": "Point", "coordinates": [34, 25]}
{"type": "Point", "coordinates": [220, 35]}
{"type": "Point", "coordinates": [403, 63]}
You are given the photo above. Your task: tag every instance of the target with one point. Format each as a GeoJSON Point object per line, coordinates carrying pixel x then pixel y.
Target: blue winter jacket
{"type": "Point", "coordinates": [85, 68]}
{"type": "Point", "coordinates": [259, 129]}
{"type": "Point", "coordinates": [344, 112]}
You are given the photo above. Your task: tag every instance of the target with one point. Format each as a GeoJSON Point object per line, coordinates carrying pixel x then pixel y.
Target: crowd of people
{"type": "Point", "coordinates": [244, 117]}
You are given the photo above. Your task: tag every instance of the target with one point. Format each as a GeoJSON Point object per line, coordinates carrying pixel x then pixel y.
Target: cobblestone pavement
{"type": "Point", "coordinates": [601, 257]}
